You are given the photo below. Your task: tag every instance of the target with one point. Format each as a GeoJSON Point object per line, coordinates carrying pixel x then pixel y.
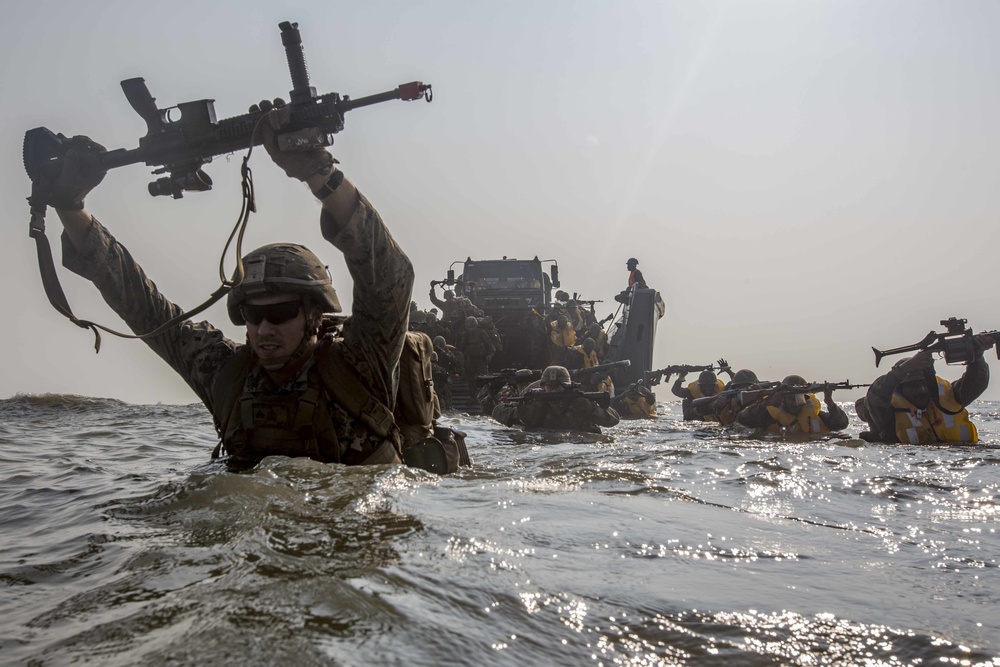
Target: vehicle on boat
{"type": "Point", "coordinates": [517, 295]}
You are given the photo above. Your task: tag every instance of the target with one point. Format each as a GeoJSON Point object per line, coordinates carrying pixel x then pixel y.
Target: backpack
{"type": "Point", "coordinates": [416, 401]}
{"type": "Point", "coordinates": [417, 406]}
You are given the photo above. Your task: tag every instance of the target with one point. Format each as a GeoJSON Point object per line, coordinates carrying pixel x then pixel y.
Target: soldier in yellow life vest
{"type": "Point", "coordinates": [562, 337]}
{"type": "Point", "coordinates": [597, 381]}
{"type": "Point", "coordinates": [636, 402]}
{"type": "Point", "coordinates": [708, 384]}
{"type": "Point", "coordinates": [911, 404]}
{"type": "Point", "coordinates": [727, 406]}
{"type": "Point", "coordinates": [795, 413]}
{"type": "Point", "coordinates": [589, 352]}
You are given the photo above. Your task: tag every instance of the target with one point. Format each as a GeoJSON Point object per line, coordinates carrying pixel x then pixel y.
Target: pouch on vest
{"type": "Point", "coordinates": [442, 454]}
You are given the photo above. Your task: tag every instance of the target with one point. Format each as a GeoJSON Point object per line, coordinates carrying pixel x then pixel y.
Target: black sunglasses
{"type": "Point", "coordinates": [275, 313]}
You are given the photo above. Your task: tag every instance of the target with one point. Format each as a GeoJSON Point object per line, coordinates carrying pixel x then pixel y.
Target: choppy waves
{"type": "Point", "coordinates": [658, 543]}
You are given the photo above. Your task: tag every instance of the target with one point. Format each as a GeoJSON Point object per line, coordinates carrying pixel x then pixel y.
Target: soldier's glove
{"type": "Point", "coordinates": [64, 184]}
{"type": "Point", "coordinates": [296, 161]}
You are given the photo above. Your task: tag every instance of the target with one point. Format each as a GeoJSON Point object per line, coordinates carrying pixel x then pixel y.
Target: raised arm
{"type": "Point", "coordinates": [89, 250]}
{"type": "Point", "coordinates": [381, 271]}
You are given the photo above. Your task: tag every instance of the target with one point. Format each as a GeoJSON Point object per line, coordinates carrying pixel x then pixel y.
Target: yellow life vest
{"type": "Point", "coordinates": [806, 420]}
{"type": "Point", "coordinates": [696, 392]}
{"type": "Point", "coordinates": [934, 424]}
{"type": "Point", "coordinates": [589, 359]}
{"type": "Point", "coordinates": [565, 337]}
{"type": "Point", "coordinates": [638, 406]}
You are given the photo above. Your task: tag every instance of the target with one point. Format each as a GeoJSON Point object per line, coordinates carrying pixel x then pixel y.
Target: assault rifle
{"type": "Point", "coordinates": [653, 378]}
{"type": "Point", "coordinates": [586, 302]}
{"type": "Point", "coordinates": [506, 376]}
{"type": "Point", "coordinates": [705, 402]}
{"type": "Point", "coordinates": [955, 343]}
{"type": "Point", "coordinates": [753, 395]}
{"type": "Point", "coordinates": [580, 373]}
{"type": "Point", "coordinates": [602, 398]}
{"type": "Point", "coordinates": [180, 146]}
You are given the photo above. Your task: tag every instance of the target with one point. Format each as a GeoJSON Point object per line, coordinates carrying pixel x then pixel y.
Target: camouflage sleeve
{"type": "Point", "coordinates": [836, 419]}
{"type": "Point", "coordinates": [436, 301]}
{"type": "Point", "coordinates": [973, 382]}
{"type": "Point", "coordinates": [756, 416]}
{"type": "Point", "coordinates": [194, 350]}
{"type": "Point", "coordinates": [584, 410]}
{"type": "Point", "coordinates": [879, 403]}
{"type": "Point", "coordinates": [505, 413]}
{"type": "Point", "coordinates": [532, 413]}
{"type": "Point", "coordinates": [679, 390]}
{"type": "Point", "coordinates": [383, 285]}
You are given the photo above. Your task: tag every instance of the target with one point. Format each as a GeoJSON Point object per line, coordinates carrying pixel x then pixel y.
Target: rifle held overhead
{"type": "Point", "coordinates": [955, 344]}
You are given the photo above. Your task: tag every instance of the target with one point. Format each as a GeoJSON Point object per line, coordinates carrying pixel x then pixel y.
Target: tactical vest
{"type": "Point", "coordinates": [945, 420]}
{"type": "Point", "coordinates": [253, 425]}
{"type": "Point", "coordinates": [806, 420]}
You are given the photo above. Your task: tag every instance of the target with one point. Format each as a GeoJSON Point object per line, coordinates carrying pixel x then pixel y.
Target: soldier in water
{"type": "Point", "coordinates": [287, 391]}
{"type": "Point", "coordinates": [556, 405]}
{"type": "Point", "coordinates": [911, 404]}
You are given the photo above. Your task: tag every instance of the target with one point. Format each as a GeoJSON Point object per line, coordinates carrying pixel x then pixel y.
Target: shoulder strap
{"type": "Point", "coordinates": [345, 385]}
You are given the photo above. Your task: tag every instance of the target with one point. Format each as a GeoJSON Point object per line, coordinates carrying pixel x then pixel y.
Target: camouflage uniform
{"type": "Point", "coordinates": [573, 414]}
{"type": "Point", "coordinates": [372, 337]}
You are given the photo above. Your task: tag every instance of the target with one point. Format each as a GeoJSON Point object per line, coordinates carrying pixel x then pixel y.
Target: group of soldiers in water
{"type": "Point", "coordinates": [568, 341]}
{"type": "Point", "coordinates": [575, 391]}
{"type": "Point", "coordinates": [910, 404]}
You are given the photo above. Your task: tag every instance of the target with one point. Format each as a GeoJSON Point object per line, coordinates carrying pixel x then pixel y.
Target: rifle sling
{"type": "Point", "coordinates": [57, 297]}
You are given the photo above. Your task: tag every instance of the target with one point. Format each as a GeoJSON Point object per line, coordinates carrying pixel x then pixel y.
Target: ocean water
{"type": "Point", "coordinates": [658, 543]}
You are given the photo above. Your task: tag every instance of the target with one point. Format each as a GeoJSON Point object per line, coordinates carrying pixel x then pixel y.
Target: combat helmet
{"type": "Point", "coordinates": [794, 381]}
{"type": "Point", "coordinates": [283, 267]}
{"type": "Point", "coordinates": [707, 377]}
{"type": "Point", "coordinates": [913, 376]}
{"type": "Point", "coordinates": [745, 376]}
{"type": "Point", "coordinates": [555, 375]}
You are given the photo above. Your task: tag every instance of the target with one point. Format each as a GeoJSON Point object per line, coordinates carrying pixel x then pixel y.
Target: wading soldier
{"type": "Point", "coordinates": [287, 390]}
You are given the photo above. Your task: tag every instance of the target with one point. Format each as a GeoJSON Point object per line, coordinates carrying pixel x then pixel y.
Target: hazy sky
{"type": "Point", "coordinates": [801, 180]}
